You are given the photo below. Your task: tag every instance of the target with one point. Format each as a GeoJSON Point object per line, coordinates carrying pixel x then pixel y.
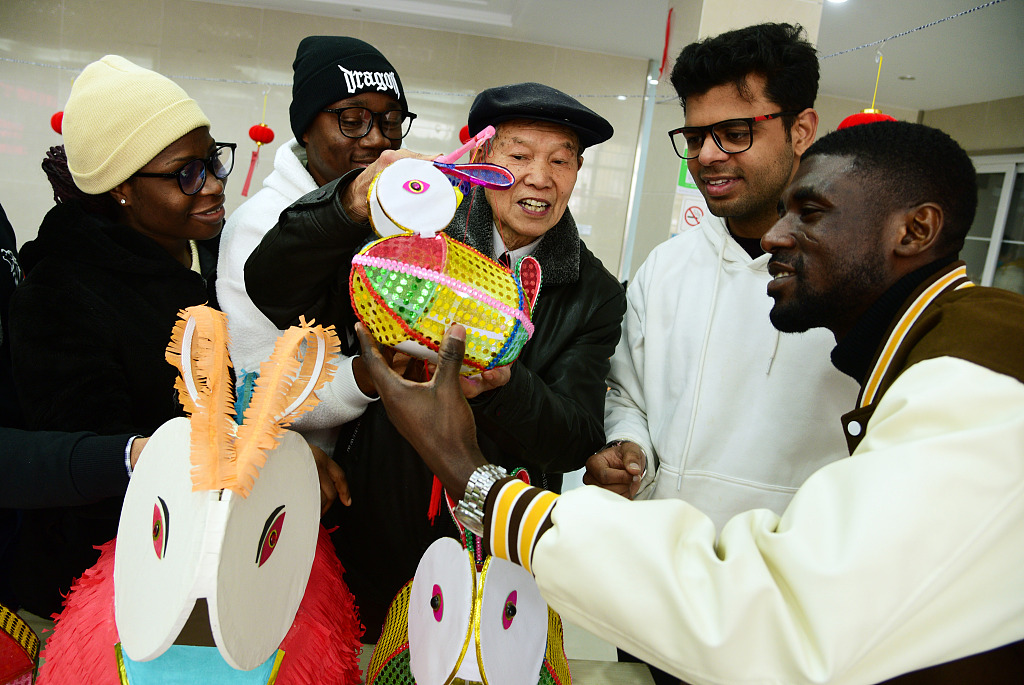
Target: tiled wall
{"type": "Point", "coordinates": [195, 40]}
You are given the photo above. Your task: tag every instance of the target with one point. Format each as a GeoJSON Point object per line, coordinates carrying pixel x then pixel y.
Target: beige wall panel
{"type": "Point", "coordinates": [720, 16]}
{"type": "Point", "coordinates": [984, 126]}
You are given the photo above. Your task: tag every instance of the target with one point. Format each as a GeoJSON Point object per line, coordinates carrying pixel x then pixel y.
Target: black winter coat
{"type": "Point", "coordinates": [548, 417]}
{"type": "Point", "coordinates": [89, 326]}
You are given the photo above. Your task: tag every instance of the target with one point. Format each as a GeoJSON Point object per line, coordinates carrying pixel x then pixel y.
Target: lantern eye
{"type": "Point", "coordinates": [437, 603]}
{"type": "Point", "coordinates": [161, 517]}
{"type": "Point", "coordinates": [271, 534]}
{"type": "Point", "coordinates": [416, 187]}
{"type": "Point", "coordinates": [509, 612]}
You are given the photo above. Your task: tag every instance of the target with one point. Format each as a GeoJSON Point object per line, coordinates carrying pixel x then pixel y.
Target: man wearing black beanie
{"type": "Point", "coordinates": [335, 73]}
{"type": "Point", "coordinates": [348, 106]}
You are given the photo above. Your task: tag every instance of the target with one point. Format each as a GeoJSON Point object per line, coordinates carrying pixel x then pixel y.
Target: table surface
{"type": "Point", "coordinates": [584, 671]}
{"type": "Point", "coordinates": [608, 673]}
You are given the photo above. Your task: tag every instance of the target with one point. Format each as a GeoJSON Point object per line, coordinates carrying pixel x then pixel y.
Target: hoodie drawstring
{"type": "Point", "coordinates": [775, 350]}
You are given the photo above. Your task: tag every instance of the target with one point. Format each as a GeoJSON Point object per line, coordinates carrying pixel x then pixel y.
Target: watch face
{"type": "Point", "coordinates": [473, 522]}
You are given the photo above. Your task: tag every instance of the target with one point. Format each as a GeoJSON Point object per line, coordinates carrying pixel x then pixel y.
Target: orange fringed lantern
{"type": "Point", "coordinates": [261, 134]}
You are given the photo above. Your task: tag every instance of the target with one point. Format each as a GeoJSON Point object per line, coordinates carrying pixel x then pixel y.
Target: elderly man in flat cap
{"type": "Point", "coordinates": [544, 412]}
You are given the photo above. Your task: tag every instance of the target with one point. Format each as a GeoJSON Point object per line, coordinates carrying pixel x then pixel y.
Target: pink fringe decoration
{"type": "Point", "coordinates": [322, 645]}
{"type": "Point", "coordinates": [324, 641]}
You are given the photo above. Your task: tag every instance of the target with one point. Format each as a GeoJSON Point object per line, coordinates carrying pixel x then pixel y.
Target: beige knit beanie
{"type": "Point", "coordinates": [118, 117]}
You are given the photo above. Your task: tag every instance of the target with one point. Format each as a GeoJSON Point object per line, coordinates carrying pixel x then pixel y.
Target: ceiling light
{"type": "Point", "coordinates": [837, 1]}
{"type": "Point", "coordinates": [621, 97]}
{"type": "Point", "coordinates": [906, 77]}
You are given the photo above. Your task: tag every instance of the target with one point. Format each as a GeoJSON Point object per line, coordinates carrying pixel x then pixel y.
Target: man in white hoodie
{"type": "Point", "coordinates": [348, 106]}
{"type": "Point", "coordinates": [708, 402]}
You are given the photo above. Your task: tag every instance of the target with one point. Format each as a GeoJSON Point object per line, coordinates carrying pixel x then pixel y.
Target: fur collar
{"type": "Point", "coordinates": [558, 252]}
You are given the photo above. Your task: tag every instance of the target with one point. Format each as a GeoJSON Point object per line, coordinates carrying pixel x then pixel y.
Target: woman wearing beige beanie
{"type": "Point", "coordinates": [141, 188]}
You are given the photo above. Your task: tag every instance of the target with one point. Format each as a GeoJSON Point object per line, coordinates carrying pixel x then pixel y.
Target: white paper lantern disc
{"type": "Point", "coordinates": [513, 624]}
{"type": "Point", "coordinates": [159, 540]}
{"type": "Point", "coordinates": [411, 196]}
{"type": "Point", "coordinates": [440, 607]}
{"type": "Point", "coordinates": [269, 544]}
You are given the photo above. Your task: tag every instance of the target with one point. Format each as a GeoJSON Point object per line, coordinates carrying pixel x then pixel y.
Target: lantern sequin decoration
{"type": "Point", "coordinates": [410, 287]}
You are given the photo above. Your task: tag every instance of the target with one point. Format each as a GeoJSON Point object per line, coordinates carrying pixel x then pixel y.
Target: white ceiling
{"type": "Point", "coordinates": [973, 58]}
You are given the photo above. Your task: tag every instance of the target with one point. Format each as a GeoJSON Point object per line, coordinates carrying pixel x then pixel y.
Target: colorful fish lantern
{"type": "Point", "coordinates": [409, 287]}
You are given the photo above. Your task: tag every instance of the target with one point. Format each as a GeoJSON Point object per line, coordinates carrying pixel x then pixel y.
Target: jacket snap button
{"type": "Point", "coordinates": [853, 428]}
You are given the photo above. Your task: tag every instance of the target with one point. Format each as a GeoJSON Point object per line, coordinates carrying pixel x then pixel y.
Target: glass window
{"type": "Point", "coordinates": [1009, 273]}
{"type": "Point", "coordinates": [994, 248]}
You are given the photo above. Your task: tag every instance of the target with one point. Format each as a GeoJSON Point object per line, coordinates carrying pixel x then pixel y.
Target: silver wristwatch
{"type": "Point", "coordinates": [470, 509]}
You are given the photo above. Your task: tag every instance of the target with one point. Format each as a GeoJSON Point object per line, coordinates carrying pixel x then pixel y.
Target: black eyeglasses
{"type": "Point", "coordinates": [356, 122]}
{"type": "Point", "coordinates": [192, 176]}
{"type": "Point", "coordinates": [732, 136]}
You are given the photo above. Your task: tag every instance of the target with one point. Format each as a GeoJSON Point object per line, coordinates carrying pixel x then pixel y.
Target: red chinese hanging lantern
{"type": "Point", "coordinates": [261, 134]}
{"type": "Point", "coordinates": [57, 122]}
{"type": "Point", "coordinates": [869, 115]}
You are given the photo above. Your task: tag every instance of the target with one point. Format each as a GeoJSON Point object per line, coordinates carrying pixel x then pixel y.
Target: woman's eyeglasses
{"type": "Point", "coordinates": [192, 176]}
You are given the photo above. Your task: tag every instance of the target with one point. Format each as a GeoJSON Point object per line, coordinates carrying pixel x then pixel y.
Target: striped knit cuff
{"type": "Point", "coordinates": [515, 516]}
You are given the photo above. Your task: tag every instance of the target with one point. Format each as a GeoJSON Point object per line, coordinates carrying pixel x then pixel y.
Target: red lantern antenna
{"type": "Point", "coordinates": [261, 134]}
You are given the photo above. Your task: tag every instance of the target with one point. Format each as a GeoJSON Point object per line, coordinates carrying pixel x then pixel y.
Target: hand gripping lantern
{"type": "Point", "coordinates": [415, 282]}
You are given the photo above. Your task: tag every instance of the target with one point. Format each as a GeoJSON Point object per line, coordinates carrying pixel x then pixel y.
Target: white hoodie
{"type": "Point", "coordinates": [252, 334]}
{"type": "Point", "coordinates": [734, 414]}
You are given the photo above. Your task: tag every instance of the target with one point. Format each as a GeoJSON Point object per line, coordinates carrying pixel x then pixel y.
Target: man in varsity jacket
{"type": "Point", "coordinates": [901, 563]}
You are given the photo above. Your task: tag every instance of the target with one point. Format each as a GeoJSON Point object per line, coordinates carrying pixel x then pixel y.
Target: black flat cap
{"type": "Point", "coordinates": [539, 102]}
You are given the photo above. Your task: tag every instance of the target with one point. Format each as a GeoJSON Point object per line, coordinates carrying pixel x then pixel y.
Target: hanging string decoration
{"type": "Point", "coordinates": [261, 134]}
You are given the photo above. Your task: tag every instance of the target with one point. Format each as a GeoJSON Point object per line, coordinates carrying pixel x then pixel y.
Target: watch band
{"type": "Point", "coordinates": [470, 509]}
